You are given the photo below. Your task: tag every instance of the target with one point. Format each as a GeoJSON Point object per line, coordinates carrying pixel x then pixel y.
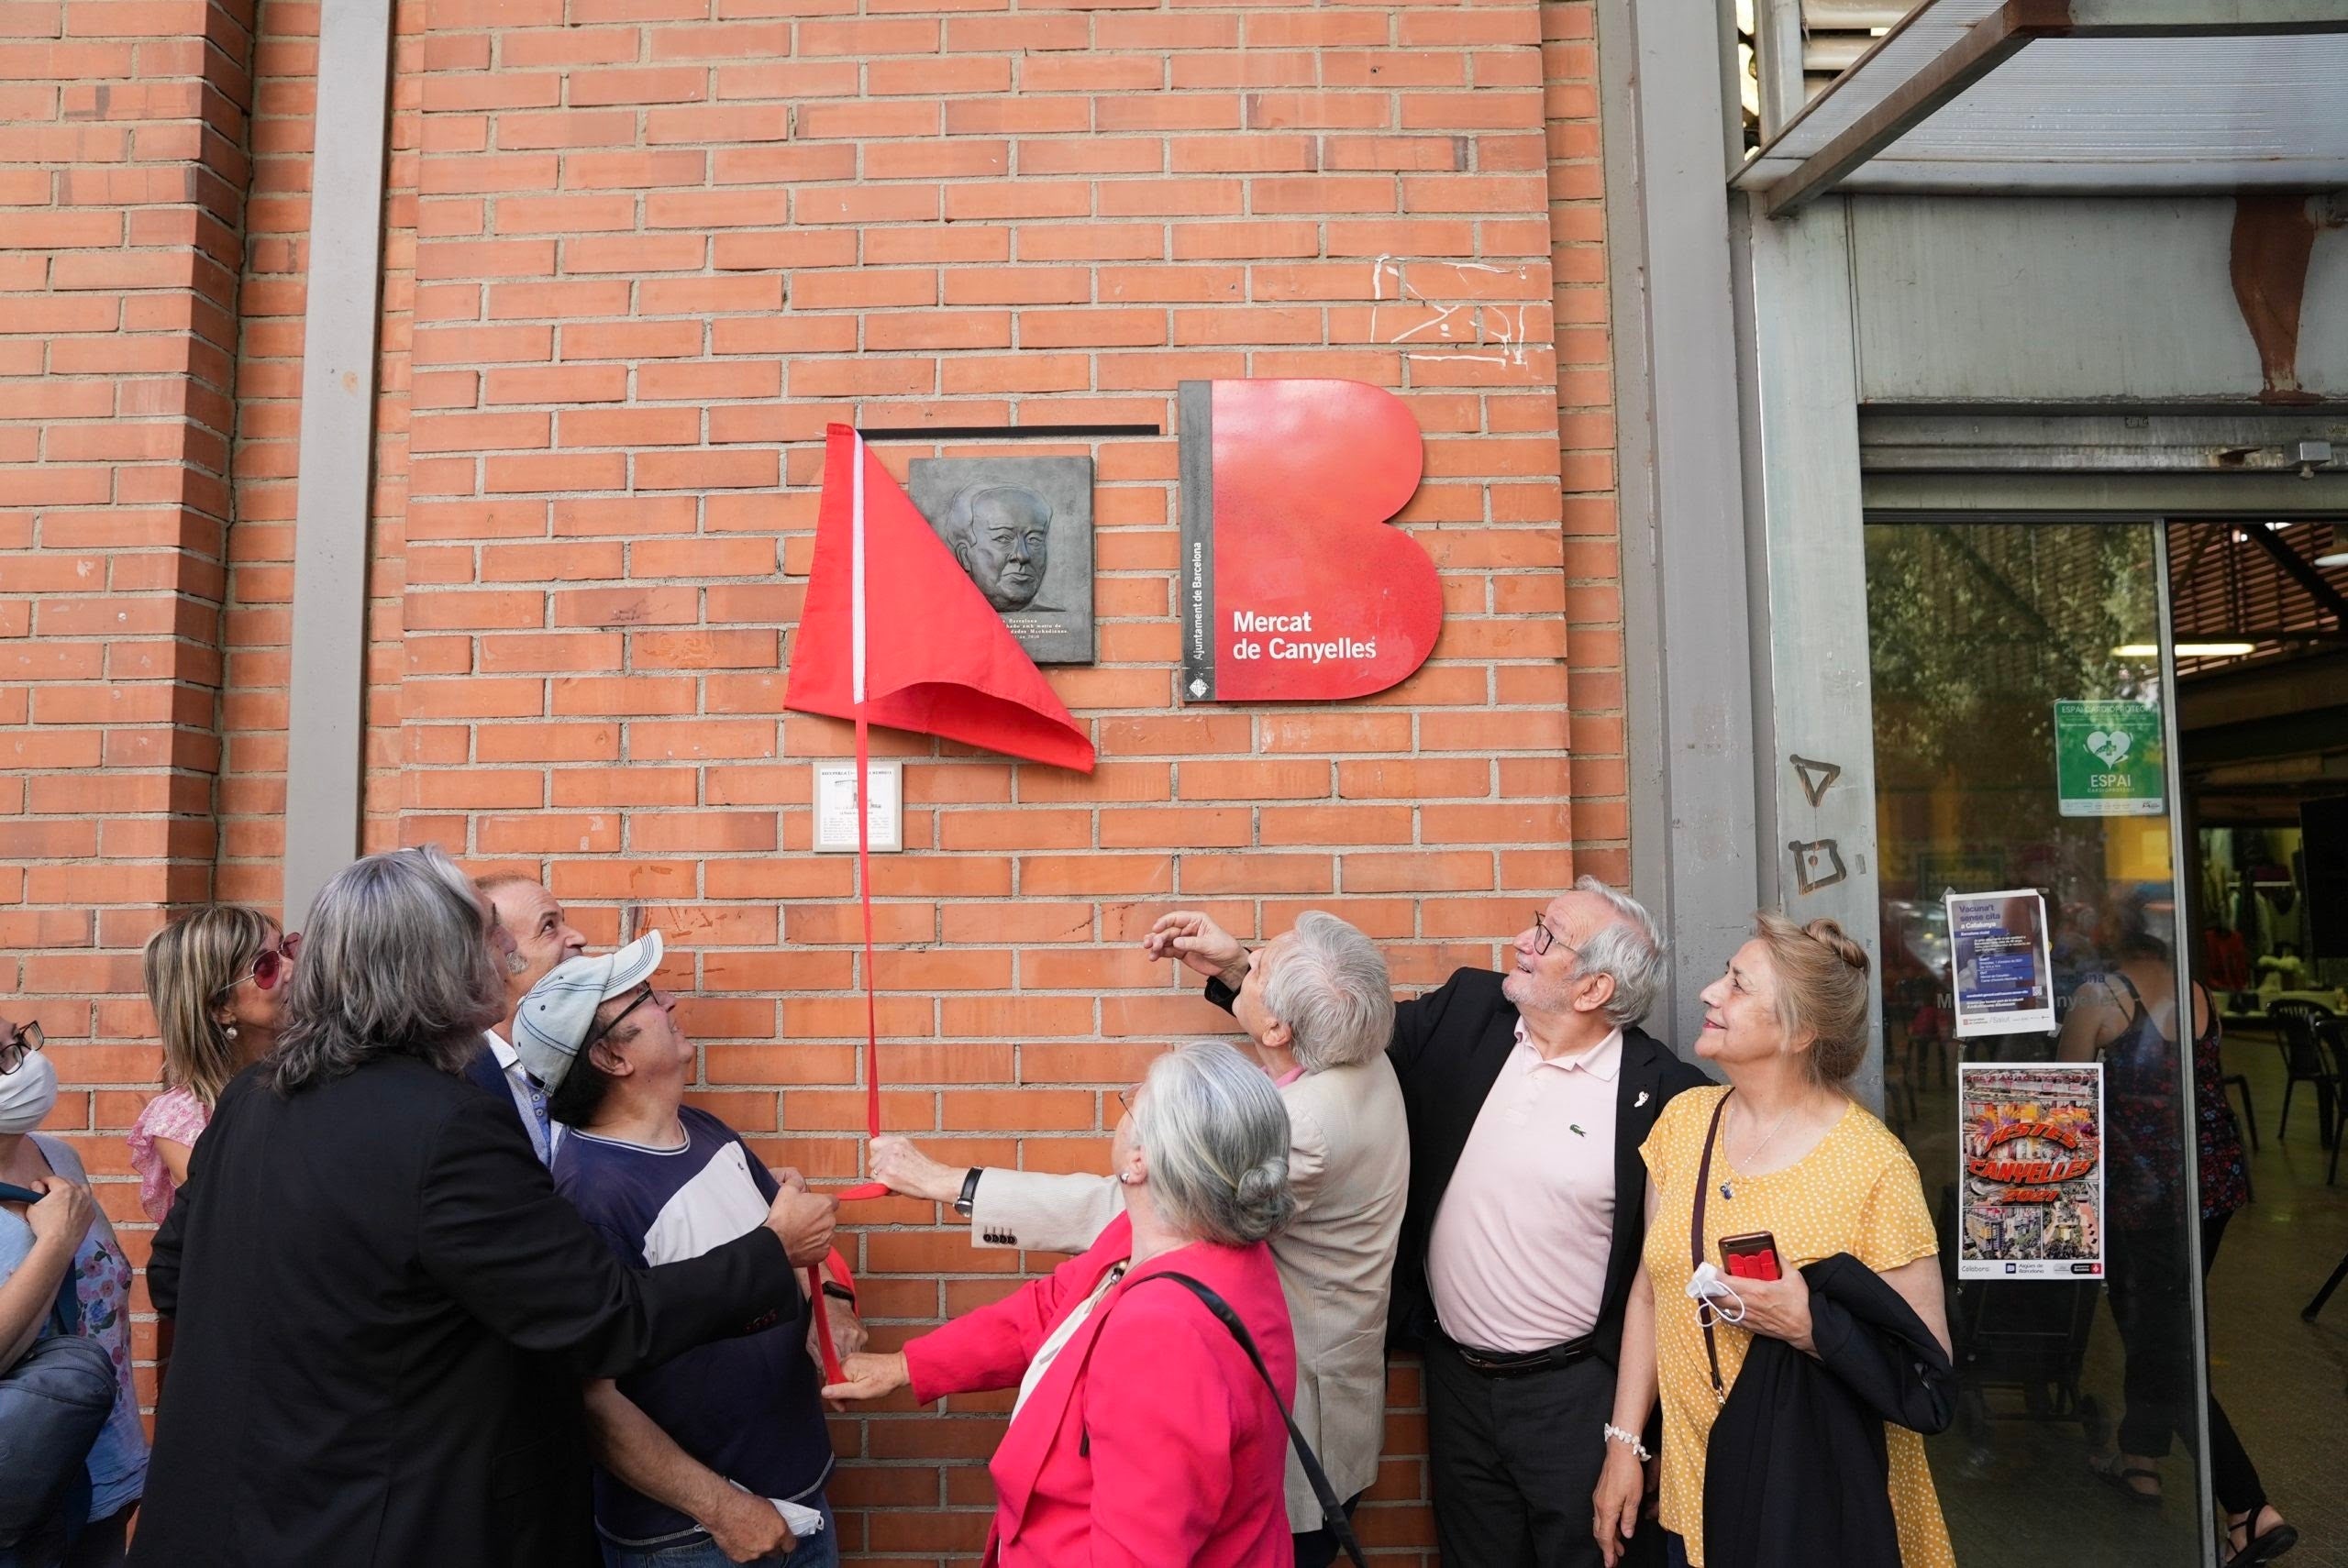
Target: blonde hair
{"type": "Point", "coordinates": [1821, 990]}
{"type": "Point", "coordinates": [188, 965]}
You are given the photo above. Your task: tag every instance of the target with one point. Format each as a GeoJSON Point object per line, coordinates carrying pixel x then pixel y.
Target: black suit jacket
{"type": "Point", "coordinates": [1448, 1048]}
{"type": "Point", "coordinates": [1797, 1470]}
{"type": "Point", "coordinates": [484, 1073]}
{"type": "Point", "coordinates": [385, 1311]}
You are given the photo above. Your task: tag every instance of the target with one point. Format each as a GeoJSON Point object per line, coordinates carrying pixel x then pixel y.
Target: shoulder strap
{"type": "Point", "coordinates": [1333, 1512]}
{"type": "Point", "coordinates": [65, 1312]}
{"type": "Point", "coordinates": [1695, 1239]}
{"type": "Point", "coordinates": [2130, 987]}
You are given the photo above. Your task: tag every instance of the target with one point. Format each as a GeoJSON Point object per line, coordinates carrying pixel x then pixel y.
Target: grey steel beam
{"type": "Point", "coordinates": [2296, 566]}
{"type": "Point", "coordinates": [1995, 440]}
{"type": "Point", "coordinates": [1984, 46]}
{"type": "Point", "coordinates": [1778, 62]}
{"type": "Point", "coordinates": [326, 722]}
{"type": "Point", "coordinates": [1690, 723]}
{"type": "Point", "coordinates": [1812, 688]}
{"type": "Point", "coordinates": [2093, 496]}
{"type": "Point", "coordinates": [1996, 37]}
{"type": "Point", "coordinates": [2186, 18]}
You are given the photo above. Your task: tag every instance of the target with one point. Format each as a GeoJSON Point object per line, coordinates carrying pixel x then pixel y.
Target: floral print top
{"type": "Point", "coordinates": [101, 1275]}
{"type": "Point", "coordinates": [176, 1115]}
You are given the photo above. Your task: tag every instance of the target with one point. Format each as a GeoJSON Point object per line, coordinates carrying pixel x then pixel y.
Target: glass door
{"type": "Point", "coordinates": [2035, 1057]}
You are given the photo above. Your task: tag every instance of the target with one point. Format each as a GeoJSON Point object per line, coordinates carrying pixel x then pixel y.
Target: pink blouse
{"type": "Point", "coordinates": [175, 1115]}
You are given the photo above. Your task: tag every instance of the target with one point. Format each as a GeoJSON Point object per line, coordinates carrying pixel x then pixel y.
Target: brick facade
{"type": "Point", "coordinates": [638, 253]}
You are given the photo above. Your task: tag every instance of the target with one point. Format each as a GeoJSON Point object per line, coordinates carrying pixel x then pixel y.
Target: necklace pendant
{"type": "Point", "coordinates": [1727, 1191]}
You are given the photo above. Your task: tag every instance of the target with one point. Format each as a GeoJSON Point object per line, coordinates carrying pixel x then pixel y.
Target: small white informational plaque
{"type": "Point", "coordinates": [884, 805]}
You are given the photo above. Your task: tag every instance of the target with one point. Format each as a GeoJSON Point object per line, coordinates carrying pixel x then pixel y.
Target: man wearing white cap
{"type": "Point", "coordinates": [696, 1456]}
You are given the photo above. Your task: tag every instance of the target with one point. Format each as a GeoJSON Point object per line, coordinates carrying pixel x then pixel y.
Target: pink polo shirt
{"type": "Point", "coordinates": [1518, 1257]}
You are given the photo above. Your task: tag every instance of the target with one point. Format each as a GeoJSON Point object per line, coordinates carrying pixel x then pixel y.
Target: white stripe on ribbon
{"type": "Point", "coordinates": [856, 576]}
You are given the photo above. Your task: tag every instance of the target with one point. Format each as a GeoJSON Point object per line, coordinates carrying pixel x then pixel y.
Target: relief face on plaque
{"type": "Point", "coordinates": [1021, 528]}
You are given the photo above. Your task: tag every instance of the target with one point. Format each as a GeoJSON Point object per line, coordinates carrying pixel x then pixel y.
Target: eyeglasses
{"type": "Point", "coordinates": [1125, 1097]}
{"type": "Point", "coordinates": [21, 1041]}
{"type": "Point", "coordinates": [645, 993]}
{"type": "Point", "coordinates": [268, 965]}
{"type": "Point", "coordinates": [1543, 938]}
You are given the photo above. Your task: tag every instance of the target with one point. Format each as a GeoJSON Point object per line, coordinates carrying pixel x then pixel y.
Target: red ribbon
{"type": "Point", "coordinates": [869, 1189]}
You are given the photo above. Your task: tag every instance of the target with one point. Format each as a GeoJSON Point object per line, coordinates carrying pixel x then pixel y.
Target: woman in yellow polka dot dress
{"type": "Point", "coordinates": [1798, 1158]}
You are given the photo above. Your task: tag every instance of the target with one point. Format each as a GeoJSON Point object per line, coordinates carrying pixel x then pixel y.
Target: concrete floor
{"type": "Point", "coordinates": [2027, 1496]}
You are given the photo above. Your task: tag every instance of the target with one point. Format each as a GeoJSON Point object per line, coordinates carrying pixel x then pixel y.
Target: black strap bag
{"type": "Point", "coordinates": [1333, 1512]}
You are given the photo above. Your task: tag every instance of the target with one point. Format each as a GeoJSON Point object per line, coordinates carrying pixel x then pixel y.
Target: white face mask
{"type": "Point", "coordinates": [26, 1095]}
{"type": "Point", "coordinates": [1716, 1300]}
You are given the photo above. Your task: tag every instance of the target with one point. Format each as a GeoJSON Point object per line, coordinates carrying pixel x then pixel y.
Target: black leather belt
{"type": "Point", "coordinates": [1517, 1363]}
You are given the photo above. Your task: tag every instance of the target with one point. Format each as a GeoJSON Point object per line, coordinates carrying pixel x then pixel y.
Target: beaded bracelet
{"type": "Point", "coordinates": [1630, 1441]}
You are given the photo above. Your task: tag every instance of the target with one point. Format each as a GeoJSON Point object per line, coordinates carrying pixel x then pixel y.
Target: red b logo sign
{"type": "Point", "coordinates": [1294, 587]}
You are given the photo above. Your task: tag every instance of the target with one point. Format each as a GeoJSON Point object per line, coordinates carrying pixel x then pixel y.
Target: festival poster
{"type": "Point", "coordinates": [2000, 970]}
{"type": "Point", "coordinates": [2031, 1137]}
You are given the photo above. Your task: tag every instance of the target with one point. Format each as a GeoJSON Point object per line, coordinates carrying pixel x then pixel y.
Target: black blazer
{"type": "Point", "coordinates": [484, 1073]}
{"type": "Point", "coordinates": [1797, 1471]}
{"type": "Point", "coordinates": [1448, 1047]}
{"type": "Point", "coordinates": [385, 1311]}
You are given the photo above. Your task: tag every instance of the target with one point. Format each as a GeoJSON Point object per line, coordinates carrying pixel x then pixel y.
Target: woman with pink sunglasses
{"type": "Point", "coordinates": [215, 976]}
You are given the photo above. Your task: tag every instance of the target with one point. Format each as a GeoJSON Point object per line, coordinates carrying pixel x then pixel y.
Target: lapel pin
{"type": "Point", "coordinates": [1640, 1101]}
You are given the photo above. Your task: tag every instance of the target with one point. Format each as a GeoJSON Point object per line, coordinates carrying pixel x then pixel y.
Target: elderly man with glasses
{"type": "Point", "coordinates": [1528, 1093]}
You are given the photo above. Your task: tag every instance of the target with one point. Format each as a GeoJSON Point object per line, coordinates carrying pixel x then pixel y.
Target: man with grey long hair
{"type": "Point", "coordinates": [383, 1307]}
{"type": "Point", "coordinates": [1528, 1093]}
{"type": "Point", "coordinates": [1318, 1009]}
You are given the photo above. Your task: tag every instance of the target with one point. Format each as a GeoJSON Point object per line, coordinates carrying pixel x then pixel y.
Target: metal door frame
{"type": "Point", "coordinates": [2181, 945]}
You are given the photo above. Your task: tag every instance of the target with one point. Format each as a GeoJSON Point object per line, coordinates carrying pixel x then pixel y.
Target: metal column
{"type": "Point", "coordinates": [1815, 758]}
{"type": "Point", "coordinates": [326, 723]}
{"type": "Point", "coordinates": [1686, 648]}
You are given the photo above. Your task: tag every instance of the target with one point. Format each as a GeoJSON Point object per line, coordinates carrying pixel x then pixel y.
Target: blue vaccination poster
{"type": "Point", "coordinates": [2001, 976]}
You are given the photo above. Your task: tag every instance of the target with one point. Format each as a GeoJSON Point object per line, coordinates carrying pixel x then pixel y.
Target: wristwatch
{"type": "Point", "coordinates": [970, 1192]}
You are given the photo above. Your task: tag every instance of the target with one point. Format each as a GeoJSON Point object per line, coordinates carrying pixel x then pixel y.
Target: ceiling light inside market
{"type": "Point", "coordinates": [2185, 650]}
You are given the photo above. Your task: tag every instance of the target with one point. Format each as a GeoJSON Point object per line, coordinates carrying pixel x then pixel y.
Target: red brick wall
{"type": "Point", "coordinates": [122, 185]}
{"type": "Point", "coordinates": [639, 251]}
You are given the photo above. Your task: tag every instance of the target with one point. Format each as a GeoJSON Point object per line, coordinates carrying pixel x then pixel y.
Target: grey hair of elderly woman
{"type": "Point", "coordinates": [1215, 1133]}
{"type": "Point", "coordinates": [395, 961]}
{"type": "Point", "coordinates": [1329, 985]}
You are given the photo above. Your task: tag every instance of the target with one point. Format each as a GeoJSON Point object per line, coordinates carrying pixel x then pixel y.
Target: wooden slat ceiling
{"type": "Point", "coordinates": [2224, 587]}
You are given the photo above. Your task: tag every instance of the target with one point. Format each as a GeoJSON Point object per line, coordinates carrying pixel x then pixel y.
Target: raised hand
{"type": "Point", "coordinates": [1197, 942]}
{"type": "Point", "coordinates": [899, 1165]}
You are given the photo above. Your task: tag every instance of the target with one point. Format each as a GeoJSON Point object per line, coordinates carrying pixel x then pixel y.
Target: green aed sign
{"type": "Point", "coordinates": [2109, 759]}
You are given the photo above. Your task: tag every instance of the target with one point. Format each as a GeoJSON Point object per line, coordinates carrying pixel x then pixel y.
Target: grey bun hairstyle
{"type": "Point", "coordinates": [1216, 1136]}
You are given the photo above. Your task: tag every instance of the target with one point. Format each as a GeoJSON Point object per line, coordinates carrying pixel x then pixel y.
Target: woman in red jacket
{"type": "Point", "coordinates": [1142, 1434]}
